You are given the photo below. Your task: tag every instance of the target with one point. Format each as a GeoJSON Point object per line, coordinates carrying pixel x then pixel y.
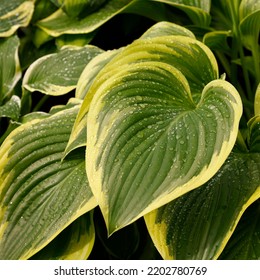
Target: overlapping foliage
{"type": "Point", "coordinates": [160, 133]}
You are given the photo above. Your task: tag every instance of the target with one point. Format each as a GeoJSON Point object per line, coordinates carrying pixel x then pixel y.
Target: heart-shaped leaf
{"type": "Point", "coordinates": [14, 14]}
{"type": "Point", "coordinates": [199, 224]}
{"type": "Point", "coordinates": [39, 193]}
{"type": "Point", "coordinates": [57, 74]}
{"type": "Point", "coordinates": [159, 125]}
{"type": "Point", "coordinates": [78, 136]}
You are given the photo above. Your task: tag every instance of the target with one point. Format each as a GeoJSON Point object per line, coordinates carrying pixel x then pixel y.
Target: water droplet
{"type": "Point", "coordinates": [140, 134]}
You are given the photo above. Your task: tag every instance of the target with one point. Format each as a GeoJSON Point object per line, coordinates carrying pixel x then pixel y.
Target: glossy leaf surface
{"type": "Point", "coordinates": [11, 109]}
{"type": "Point", "coordinates": [244, 243]}
{"type": "Point", "coordinates": [40, 194]}
{"type": "Point", "coordinates": [199, 224]}
{"type": "Point", "coordinates": [14, 14]}
{"type": "Point", "coordinates": [10, 71]}
{"type": "Point", "coordinates": [148, 139]}
{"type": "Point", "coordinates": [60, 23]}
{"type": "Point", "coordinates": [57, 74]}
{"type": "Point", "coordinates": [74, 243]}
{"type": "Point", "coordinates": [198, 11]}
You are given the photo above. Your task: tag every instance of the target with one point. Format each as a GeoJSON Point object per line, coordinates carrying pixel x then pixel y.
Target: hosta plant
{"type": "Point", "coordinates": [154, 141]}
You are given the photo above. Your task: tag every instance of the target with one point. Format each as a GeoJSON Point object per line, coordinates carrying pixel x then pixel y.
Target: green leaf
{"type": "Point", "coordinates": [74, 243]}
{"type": "Point", "coordinates": [11, 109]}
{"type": "Point", "coordinates": [199, 224]}
{"type": "Point", "coordinates": [40, 194]}
{"type": "Point", "coordinates": [217, 40]}
{"type": "Point", "coordinates": [60, 23]}
{"type": "Point", "coordinates": [10, 71]}
{"type": "Point", "coordinates": [78, 136]}
{"type": "Point", "coordinates": [250, 22]}
{"type": "Point", "coordinates": [42, 9]}
{"type": "Point", "coordinates": [91, 70]}
{"type": "Point", "coordinates": [148, 141]}
{"type": "Point", "coordinates": [76, 8]}
{"type": "Point", "coordinates": [165, 28]}
{"type": "Point", "coordinates": [198, 11]}
{"type": "Point", "coordinates": [250, 28]}
{"type": "Point", "coordinates": [247, 7]}
{"type": "Point", "coordinates": [58, 74]}
{"type": "Point", "coordinates": [79, 40]}
{"type": "Point", "coordinates": [14, 14]}
{"type": "Point", "coordinates": [244, 243]}
{"type": "Point", "coordinates": [257, 101]}
{"type": "Point", "coordinates": [254, 135]}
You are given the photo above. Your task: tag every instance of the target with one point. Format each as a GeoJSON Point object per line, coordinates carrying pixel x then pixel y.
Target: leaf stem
{"type": "Point", "coordinates": [40, 103]}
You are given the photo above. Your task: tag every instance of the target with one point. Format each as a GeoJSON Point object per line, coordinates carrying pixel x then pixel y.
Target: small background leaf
{"type": "Point", "coordinates": [57, 74]}
{"type": "Point", "coordinates": [14, 14]}
{"type": "Point", "coordinates": [60, 23]}
{"type": "Point", "coordinates": [11, 109]}
{"type": "Point", "coordinates": [10, 71]}
{"type": "Point", "coordinates": [198, 11]}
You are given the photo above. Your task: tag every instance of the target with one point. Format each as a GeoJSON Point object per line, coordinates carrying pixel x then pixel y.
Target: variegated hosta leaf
{"type": "Point", "coordinates": [77, 7]}
{"type": "Point", "coordinates": [79, 40]}
{"type": "Point", "coordinates": [257, 101]}
{"type": "Point", "coordinates": [147, 138]}
{"type": "Point", "coordinates": [217, 40]}
{"type": "Point", "coordinates": [78, 137]}
{"type": "Point", "coordinates": [74, 243]}
{"type": "Point", "coordinates": [244, 243]}
{"type": "Point", "coordinates": [11, 109]}
{"type": "Point", "coordinates": [14, 14]}
{"type": "Point", "coordinates": [250, 28]}
{"type": "Point", "coordinates": [165, 28]}
{"type": "Point", "coordinates": [254, 138]}
{"type": "Point", "coordinates": [58, 73]}
{"type": "Point", "coordinates": [39, 193]}
{"type": "Point", "coordinates": [199, 224]}
{"type": "Point", "coordinates": [60, 23]}
{"type": "Point", "coordinates": [198, 11]}
{"type": "Point", "coordinates": [248, 7]}
{"type": "Point", "coordinates": [250, 22]}
{"type": "Point", "coordinates": [10, 71]}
